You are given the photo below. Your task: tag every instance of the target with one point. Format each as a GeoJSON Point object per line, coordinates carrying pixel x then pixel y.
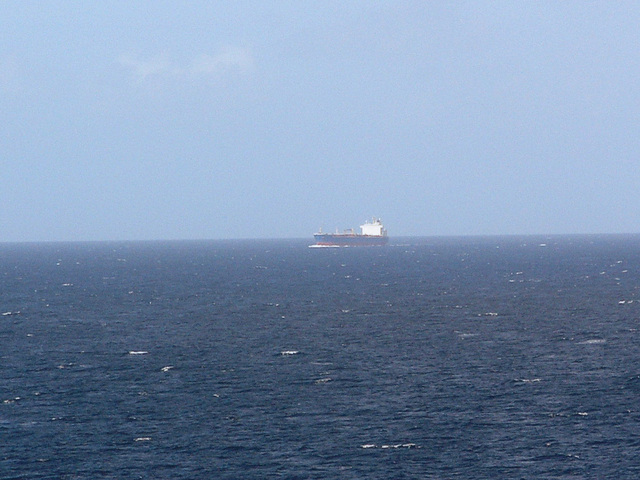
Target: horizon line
{"type": "Point", "coordinates": [245, 239]}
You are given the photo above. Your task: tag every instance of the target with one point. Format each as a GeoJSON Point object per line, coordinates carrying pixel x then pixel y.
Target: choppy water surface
{"type": "Point", "coordinates": [431, 358]}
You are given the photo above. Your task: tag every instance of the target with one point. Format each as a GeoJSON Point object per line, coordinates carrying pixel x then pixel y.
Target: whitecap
{"type": "Point", "coordinates": [142, 439]}
{"type": "Point", "coordinates": [289, 352]}
{"type": "Point", "coordinates": [138, 352]}
{"type": "Point", "coordinates": [467, 335]}
{"type": "Point", "coordinates": [388, 446]}
{"type": "Point", "coordinates": [167, 368]}
{"type": "Point", "coordinates": [594, 341]}
{"type": "Point", "coordinates": [400, 445]}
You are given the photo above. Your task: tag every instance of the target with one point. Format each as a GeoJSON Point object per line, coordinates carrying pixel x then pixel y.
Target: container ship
{"type": "Point", "coordinates": [373, 234]}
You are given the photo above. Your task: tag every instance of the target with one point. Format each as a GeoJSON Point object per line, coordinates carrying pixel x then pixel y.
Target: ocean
{"type": "Point", "coordinates": [431, 358]}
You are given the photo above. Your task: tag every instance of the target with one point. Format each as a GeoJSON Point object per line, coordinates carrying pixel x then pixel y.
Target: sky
{"type": "Point", "coordinates": [125, 120]}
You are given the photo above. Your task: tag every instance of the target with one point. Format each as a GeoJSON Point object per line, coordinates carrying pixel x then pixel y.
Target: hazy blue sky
{"type": "Point", "coordinates": [172, 119]}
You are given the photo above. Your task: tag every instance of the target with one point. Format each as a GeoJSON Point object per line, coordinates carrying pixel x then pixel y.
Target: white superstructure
{"type": "Point", "coordinates": [373, 228]}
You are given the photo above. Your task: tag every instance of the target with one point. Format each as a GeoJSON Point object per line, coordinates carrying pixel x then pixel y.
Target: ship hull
{"type": "Point", "coordinates": [350, 240]}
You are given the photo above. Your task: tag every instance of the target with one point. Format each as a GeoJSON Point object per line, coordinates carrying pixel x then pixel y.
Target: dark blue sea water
{"type": "Point", "coordinates": [429, 359]}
